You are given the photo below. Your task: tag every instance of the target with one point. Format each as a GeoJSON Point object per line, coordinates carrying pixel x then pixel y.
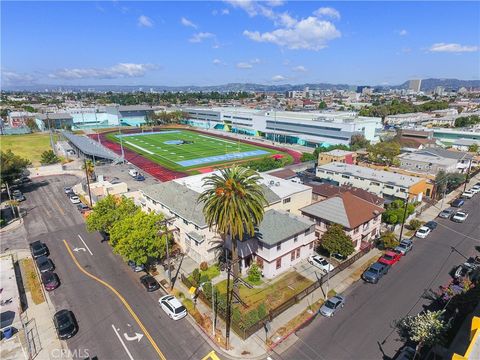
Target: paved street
{"type": "Point", "coordinates": [107, 328]}
{"type": "Point", "coordinates": [364, 328]}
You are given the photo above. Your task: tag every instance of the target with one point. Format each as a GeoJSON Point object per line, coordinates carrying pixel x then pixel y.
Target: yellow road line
{"type": "Point", "coordinates": [122, 299]}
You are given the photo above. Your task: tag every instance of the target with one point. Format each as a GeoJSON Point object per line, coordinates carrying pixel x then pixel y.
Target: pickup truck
{"type": "Point", "coordinates": [375, 272]}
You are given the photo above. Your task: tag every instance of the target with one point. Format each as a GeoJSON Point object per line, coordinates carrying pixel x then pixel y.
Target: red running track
{"type": "Point", "coordinates": [162, 173]}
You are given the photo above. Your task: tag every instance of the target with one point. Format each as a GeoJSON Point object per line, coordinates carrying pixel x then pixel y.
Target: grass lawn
{"type": "Point", "coordinates": [184, 150]}
{"type": "Point", "coordinates": [29, 146]}
{"type": "Point", "coordinates": [32, 281]}
{"type": "Point", "coordinates": [212, 272]}
{"type": "Point", "coordinates": [271, 293]}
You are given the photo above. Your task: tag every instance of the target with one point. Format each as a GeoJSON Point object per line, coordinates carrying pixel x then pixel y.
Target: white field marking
{"type": "Point", "coordinates": [209, 137]}
{"type": "Point", "coordinates": [85, 244]}
{"type": "Point", "coordinates": [139, 147]}
{"type": "Point", "coordinates": [123, 343]}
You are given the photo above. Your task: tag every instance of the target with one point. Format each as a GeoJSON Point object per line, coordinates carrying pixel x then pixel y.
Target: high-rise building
{"type": "Point", "coordinates": [415, 85]}
{"type": "Point", "coordinates": [439, 90]}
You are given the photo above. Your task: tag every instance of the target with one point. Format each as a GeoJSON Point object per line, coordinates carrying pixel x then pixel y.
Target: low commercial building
{"type": "Point", "coordinates": [382, 183]}
{"type": "Point", "coordinates": [19, 118]}
{"type": "Point", "coordinates": [341, 156]}
{"type": "Point", "coordinates": [426, 162]}
{"type": "Point", "coordinates": [361, 219]}
{"type": "Point", "coordinates": [54, 121]}
{"type": "Point", "coordinates": [462, 159]}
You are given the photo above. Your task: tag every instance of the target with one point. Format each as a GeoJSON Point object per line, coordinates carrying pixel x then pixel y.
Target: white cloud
{"type": "Point", "coordinates": [244, 65]}
{"type": "Point", "coordinates": [12, 77]}
{"type": "Point", "coordinates": [121, 70]}
{"type": "Point", "coordinates": [225, 12]}
{"type": "Point", "coordinates": [284, 19]}
{"type": "Point", "coordinates": [299, 68]}
{"type": "Point", "coordinates": [217, 62]}
{"type": "Point", "coordinates": [249, 6]}
{"type": "Point", "coordinates": [199, 37]}
{"type": "Point", "coordinates": [255, 61]}
{"type": "Point", "coordinates": [277, 78]}
{"type": "Point", "coordinates": [452, 47]}
{"type": "Point", "coordinates": [275, 2]}
{"type": "Point", "coordinates": [185, 22]}
{"type": "Point", "coordinates": [403, 32]}
{"type": "Point", "coordinates": [145, 21]}
{"type": "Point", "coordinates": [327, 11]}
{"type": "Point", "coordinates": [309, 34]}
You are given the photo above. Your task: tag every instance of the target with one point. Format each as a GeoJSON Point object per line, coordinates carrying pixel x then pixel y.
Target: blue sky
{"type": "Point", "coordinates": [209, 43]}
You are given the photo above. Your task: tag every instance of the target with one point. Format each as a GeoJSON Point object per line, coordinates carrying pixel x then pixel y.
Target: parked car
{"type": "Point", "coordinates": [50, 280]}
{"type": "Point", "coordinates": [460, 216]}
{"type": "Point", "coordinates": [68, 190]}
{"type": "Point", "coordinates": [332, 305]}
{"type": "Point", "coordinates": [44, 264]}
{"type": "Point", "coordinates": [338, 256]}
{"type": "Point", "coordinates": [105, 236]}
{"type": "Point", "coordinates": [432, 225]}
{"type": "Point", "coordinates": [390, 258]}
{"type": "Point", "coordinates": [149, 282]}
{"type": "Point", "coordinates": [475, 189]}
{"type": "Point", "coordinates": [423, 232]}
{"type": "Point", "coordinates": [74, 199]}
{"type": "Point", "coordinates": [19, 197]}
{"type": "Point", "coordinates": [446, 214]}
{"type": "Point", "coordinates": [139, 177]}
{"type": "Point", "coordinates": [172, 307]}
{"type": "Point", "coordinates": [37, 248]}
{"type": "Point", "coordinates": [320, 262]}
{"type": "Point", "coordinates": [132, 172]}
{"type": "Point", "coordinates": [16, 192]}
{"type": "Point", "coordinates": [406, 353]}
{"type": "Point", "coordinates": [375, 272]}
{"type": "Point", "coordinates": [462, 271]}
{"type": "Point", "coordinates": [83, 208]}
{"type": "Point", "coordinates": [65, 324]}
{"type": "Point", "coordinates": [135, 267]}
{"type": "Point", "coordinates": [457, 203]}
{"type": "Point", "coordinates": [405, 246]}
{"type": "Point", "coordinates": [467, 194]}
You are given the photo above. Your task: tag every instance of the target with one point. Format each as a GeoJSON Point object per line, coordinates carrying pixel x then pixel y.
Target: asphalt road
{"type": "Point", "coordinates": [106, 327]}
{"type": "Point", "coordinates": [364, 329]}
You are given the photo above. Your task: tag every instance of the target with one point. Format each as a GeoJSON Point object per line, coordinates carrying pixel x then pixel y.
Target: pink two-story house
{"type": "Point", "coordinates": [360, 218]}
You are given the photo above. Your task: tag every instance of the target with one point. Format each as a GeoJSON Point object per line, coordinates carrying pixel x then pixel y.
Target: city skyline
{"type": "Point", "coordinates": [268, 42]}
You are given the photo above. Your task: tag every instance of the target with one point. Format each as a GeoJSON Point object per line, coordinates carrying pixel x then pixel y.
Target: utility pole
{"type": "Point", "coordinates": [404, 218]}
{"type": "Point", "coordinates": [444, 194]}
{"type": "Point", "coordinates": [168, 267]}
{"type": "Point", "coordinates": [227, 320]}
{"type": "Point", "coordinates": [468, 175]}
{"type": "Point", "coordinates": [88, 180]}
{"type": "Point", "coordinates": [214, 320]}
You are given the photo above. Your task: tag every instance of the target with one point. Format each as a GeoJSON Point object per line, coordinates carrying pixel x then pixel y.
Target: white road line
{"type": "Point", "coordinates": [123, 343]}
{"type": "Point", "coordinates": [85, 244]}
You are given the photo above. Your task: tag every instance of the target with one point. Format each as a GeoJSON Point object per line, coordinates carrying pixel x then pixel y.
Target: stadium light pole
{"type": "Point", "coordinates": [120, 135]}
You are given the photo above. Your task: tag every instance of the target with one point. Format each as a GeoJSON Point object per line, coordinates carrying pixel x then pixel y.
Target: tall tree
{"type": "Point", "coordinates": [233, 206]}
{"type": "Point", "coordinates": [89, 167]}
{"type": "Point", "coordinates": [108, 211]}
{"type": "Point", "coordinates": [358, 141]}
{"type": "Point", "coordinates": [12, 166]}
{"type": "Point", "coordinates": [384, 152]}
{"type": "Point", "coordinates": [49, 157]}
{"type": "Point", "coordinates": [136, 238]}
{"type": "Point", "coordinates": [335, 240]}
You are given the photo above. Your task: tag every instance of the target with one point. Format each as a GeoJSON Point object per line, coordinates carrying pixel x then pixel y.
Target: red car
{"type": "Point", "coordinates": [390, 258]}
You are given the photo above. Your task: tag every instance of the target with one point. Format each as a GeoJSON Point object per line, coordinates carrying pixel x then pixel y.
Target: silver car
{"type": "Point", "coordinates": [447, 213]}
{"type": "Point", "coordinates": [331, 305]}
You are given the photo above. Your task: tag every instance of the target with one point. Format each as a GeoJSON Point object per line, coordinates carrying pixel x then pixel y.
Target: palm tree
{"type": "Point", "coordinates": [89, 168]}
{"type": "Point", "coordinates": [233, 206]}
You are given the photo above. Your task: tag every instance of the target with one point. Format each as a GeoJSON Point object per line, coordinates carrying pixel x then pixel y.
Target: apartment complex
{"type": "Point", "coordinates": [382, 183]}
{"type": "Point", "coordinates": [304, 128]}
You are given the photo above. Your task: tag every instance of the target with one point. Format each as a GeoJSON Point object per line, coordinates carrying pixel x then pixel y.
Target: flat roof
{"type": "Point", "coordinates": [338, 152]}
{"type": "Point", "coordinates": [427, 158]}
{"type": "Point", "coordinates": [371, 174]}
{"type": "Point", "coordinates": [8, 280]}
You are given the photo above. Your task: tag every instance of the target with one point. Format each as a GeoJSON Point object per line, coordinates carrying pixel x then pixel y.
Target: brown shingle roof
{"type": "Point", "coordinates": [359, 210]}
{"type": "Point", "coordinates": [284, 174]}
{"type": "Point", "coordinates": [328, 190]}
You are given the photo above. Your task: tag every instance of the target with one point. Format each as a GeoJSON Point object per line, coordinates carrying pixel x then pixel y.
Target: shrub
{"type": "Point", "coordinates": [203, 266]}
{"type": "Point", "coordinates": [415, 224]}
{"type": "Point", "coordinates": [388, 240]}
{"type": "Point", "coordinates": [262, 311]}
{"type": "Point", "coordinates": [196, 277]}
{"type": "Point", "coordinates": [236, 316]}
{"type": "Point", "coordinates": [254, 274]}
{"type": "Point", "coordinates": [203, 279]}
{"type": "Point", "coordinates": [250, 319]}
{"type": "Point", "coordinates": [207, 290]}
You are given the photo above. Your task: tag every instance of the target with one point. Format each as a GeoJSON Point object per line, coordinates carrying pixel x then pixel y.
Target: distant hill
{"type": "Point", "coordinates": [427, 85]}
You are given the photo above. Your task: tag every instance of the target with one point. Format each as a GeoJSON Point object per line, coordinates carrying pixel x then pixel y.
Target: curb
{"type": "Point", "coordinates": [12, 226]}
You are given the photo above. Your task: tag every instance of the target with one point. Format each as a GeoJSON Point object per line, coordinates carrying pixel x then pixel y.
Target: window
{"type": "Point", "coordinates": [292, 256]}
{"type": "Point", "coordinates": [345, 176]}
{"type": "Point", "coordinates": [311, 245]}
{"type": "Point", "coordinates": [279, 263]}
{"type": "Point", "coordinates": [295, 239]}
{"type": "Point", "coordinates": [298, 253]}
{"type": "Point", "coordinates": [279, 246]}
{"type": "Point", "coordinates": [286, 200]}
{"type": "Point", "coordinates": [185, 222]}
{"type": "Point", "coordinates": [356, 230]}
{"type": "Point", "coordinates": [389, 187]}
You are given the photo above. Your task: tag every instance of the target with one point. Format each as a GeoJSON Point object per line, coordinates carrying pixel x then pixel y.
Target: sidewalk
{"type": "Point", "coordinates": [255, 347]}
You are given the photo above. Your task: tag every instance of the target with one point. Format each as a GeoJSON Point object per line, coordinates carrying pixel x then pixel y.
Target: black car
{"type": "Point", "coordinates": [65, 324]}
{"type": "Point", "coordinates": [19, 197]}
{"type": "Point", "coordinates": [139, 177]}
{"type": "Point", "coordinates": [457, 203]}
{"type": "Point", "coordinates": [50, 280]}
{"type": "Point", "coordinates": [44, 264]}
{"type": "Point", "coordinates": [150, 283]}
{"type": "Point", "coordinates": [37, 248]}
{"type": "Point", "coordinates": [83, 208]}
{"type": "Point", "coordinates": [432, 225]}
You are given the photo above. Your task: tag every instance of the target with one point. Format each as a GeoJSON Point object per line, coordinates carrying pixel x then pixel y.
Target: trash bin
{"type": "Point", "coordinates": [8, 332]}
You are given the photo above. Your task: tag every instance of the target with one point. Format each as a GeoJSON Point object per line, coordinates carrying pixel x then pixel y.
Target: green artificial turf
{"type": "Point", "coordinates": [198, 146]}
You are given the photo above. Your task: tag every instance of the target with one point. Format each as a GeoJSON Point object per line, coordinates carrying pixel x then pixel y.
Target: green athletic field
{"type": "Point", "coordinates": [184, 150]}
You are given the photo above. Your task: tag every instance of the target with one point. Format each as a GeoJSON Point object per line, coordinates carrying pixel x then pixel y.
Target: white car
{"type": "Point", "coordinates": [468, 194]}
{"type": "Point", "coordinates": [172, 307]}
{"type": "Point", "coordinates": [75, 199]}
{"type": "Point", "coordinates": [475, 189]}
{"type": "Point", "coordinates": [320, 262]}
{"type": "Point", "coordinates": [423, 232]}
{"type": "Point", "coordinates": [460, 216]}
{"type": "Point", "coordinates": [132, 172]}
